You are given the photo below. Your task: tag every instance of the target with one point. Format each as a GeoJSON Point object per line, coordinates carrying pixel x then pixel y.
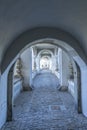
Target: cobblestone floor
{"type": "Point", "coordinates": [45, 108]}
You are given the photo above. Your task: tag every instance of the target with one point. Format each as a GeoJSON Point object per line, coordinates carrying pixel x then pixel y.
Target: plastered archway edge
{"type": "Point", "coordinates": [10, 91]}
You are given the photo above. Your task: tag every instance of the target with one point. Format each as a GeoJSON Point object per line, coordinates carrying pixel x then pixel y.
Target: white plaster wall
{"type": "Point", "coordinates": [84, 90]}
{"type": "Point", "coordinates": [73, 84]}
{"type": "Point", "coordinates": [65, 68]}
{"type": "Point", "coordinates": [3, 98]}
{"type": "Point", "coordinates": [63, 63]}
{"type": "Point", "coordinates": [3, 94]}
{"type": "Point", "coordinates": [26, 58]}
{"type": "Point", "coordinates": [83, 68]}
{"type": "Point", "coordinates": [53, 63]}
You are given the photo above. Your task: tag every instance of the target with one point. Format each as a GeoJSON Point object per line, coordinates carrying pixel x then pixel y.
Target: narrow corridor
{"type": "Point", "coordinates": [45, 108]}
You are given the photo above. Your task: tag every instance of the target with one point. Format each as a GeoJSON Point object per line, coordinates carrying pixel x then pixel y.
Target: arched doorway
{"type": "Point", "coordinates": [64, 44]}
{"type": "Point", "coordinates": [10, 86]}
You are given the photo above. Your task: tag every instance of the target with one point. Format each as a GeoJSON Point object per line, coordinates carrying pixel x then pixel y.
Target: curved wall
{"type": "Point", "coordinates": [36, 34]}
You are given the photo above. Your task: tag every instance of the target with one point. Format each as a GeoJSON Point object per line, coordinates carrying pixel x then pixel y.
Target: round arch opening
{"type": "Point", "coordinates": [77, 60]}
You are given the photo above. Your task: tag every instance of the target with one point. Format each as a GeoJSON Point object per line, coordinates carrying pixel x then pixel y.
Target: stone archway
{"type": "Point", "coordinates": [73, 55]}
{"type": "Point", "coordinates": [56, 37]}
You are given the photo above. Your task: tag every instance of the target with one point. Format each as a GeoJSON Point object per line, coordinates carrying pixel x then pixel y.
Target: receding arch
{"type": "Point", "coordinates": [63, 40]}
{"type": "Point", "coordinates": [36, 34]}
{"type": "Point", "coordinates": [45, 50]}
{"type": "Point", "coordinates": [79, 100]}
{"type": "Point", "coordinates": [10, 91]}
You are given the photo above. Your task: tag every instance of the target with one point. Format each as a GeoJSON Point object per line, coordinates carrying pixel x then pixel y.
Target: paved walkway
{"type": "Point", "coordinates": [45, 108]}
{"type": "Point", "coordinates": [45, 79]}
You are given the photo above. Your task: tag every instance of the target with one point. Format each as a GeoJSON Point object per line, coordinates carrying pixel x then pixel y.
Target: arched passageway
{"type": "Point", "coordinates": [46, 80]}
{"type": "Point", "coordinates": [75, 57]}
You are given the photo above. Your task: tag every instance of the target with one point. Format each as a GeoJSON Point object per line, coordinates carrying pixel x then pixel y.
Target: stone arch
{"type": "Point", "coordinates": [56, 37]}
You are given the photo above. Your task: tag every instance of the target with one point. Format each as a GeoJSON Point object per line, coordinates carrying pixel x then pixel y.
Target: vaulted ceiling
{"type": "Point", "coordinates": [18, 16]}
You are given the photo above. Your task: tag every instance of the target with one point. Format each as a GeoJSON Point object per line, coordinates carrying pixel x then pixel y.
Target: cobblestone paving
{"type": "Point", "coordinates": [45, 108]}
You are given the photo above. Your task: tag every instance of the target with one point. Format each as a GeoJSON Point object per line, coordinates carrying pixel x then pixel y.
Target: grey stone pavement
{"type": "Point", "coordinates": [45, 108]}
